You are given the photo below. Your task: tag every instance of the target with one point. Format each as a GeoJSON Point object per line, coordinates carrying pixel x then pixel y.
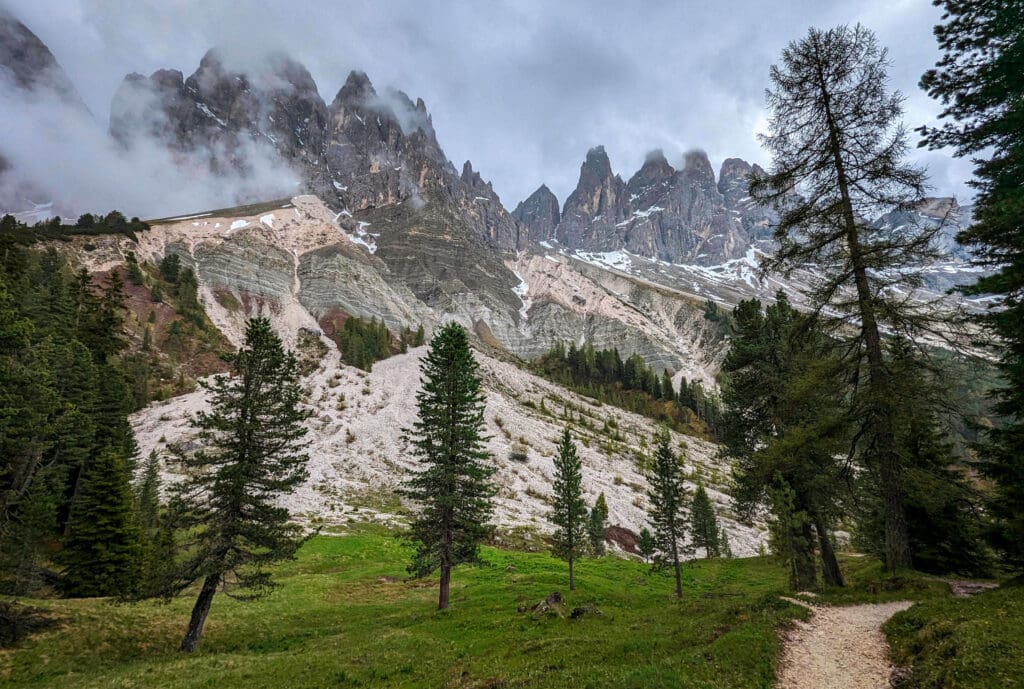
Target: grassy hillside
{"type": "Point", "coordinates": [974, 643]}
{"type": "Point", "coordinates": [345, 615]}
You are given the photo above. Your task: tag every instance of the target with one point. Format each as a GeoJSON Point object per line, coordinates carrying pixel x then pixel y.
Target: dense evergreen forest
{"type": "Point", "coordinates": [634, 386]}
{"type": "Point", "coordinates": [54, 228]}
{"type": "Point", "coordinates": [68, 449]}
{"type": "Point", "coordinates": [363, 342]}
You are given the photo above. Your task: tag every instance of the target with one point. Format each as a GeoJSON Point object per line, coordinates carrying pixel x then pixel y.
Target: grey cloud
{"type": "Point", "coordinates": [522, 89]}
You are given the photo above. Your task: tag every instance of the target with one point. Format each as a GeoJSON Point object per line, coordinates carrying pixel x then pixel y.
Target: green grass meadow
{"type": "Point", "coordinates": [347, 615]}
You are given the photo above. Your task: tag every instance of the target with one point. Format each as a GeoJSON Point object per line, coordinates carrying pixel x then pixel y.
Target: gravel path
{"type": "Point", "coordinates": [839, 648]}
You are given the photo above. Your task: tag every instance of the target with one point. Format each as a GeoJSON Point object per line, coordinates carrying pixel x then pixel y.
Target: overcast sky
{"type": "Point", "coordinates": [522, 89]}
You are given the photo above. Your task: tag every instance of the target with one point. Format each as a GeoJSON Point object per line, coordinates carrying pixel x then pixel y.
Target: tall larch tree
{"type": "Point", "coordinates": [452, 489]}
{"type": "Point", "coordinates": [980, 82]}
{"type": "Point", "coordinates": [667, 515]}
{"type": "Point", "coordinates": [251, 451]}
{"type": "Point", "coordinates": [838, 149]}
{"type": "Point", "coordinates": [569, 512]}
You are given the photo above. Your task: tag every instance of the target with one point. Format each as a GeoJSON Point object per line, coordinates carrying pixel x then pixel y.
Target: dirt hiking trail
{"type": "Point", "coordinates": [838, 648]}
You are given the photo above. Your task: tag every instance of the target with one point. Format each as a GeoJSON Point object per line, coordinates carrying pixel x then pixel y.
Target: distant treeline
{"type": "Point", "coordinates": [88, 224]}
{"type": "Point", "coordinates": [364, 342]}
{"type": "Point", "coordinates": [632, 385]}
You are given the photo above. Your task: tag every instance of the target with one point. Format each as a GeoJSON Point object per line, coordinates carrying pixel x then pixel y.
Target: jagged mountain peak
{"type": "Point", "coordinates": [539, 213]}
{"type": "Point", "coordinates": [355, 92]}
{"type": "Point", "coordinates": [651, 181]}
{"type": "Point", "coordinates": [696, 164]}
{"type": "Point", "coordinates": [28, 64]}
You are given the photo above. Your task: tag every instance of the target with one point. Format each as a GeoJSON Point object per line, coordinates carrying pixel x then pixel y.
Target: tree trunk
{"type": "Point", "coordinates": [572, 579]}
{"type": "Point", "coordinates": [679, 577]}
{"type": "Point", "coordinates": [199, 613]}
{"type": "Point", "coordinates": [446, 580]}
{"type": "Point", "coordinates": [802, 575]}
{"type": "Point", "coordinates": [897, 535]}
{"type": "Point", "coordinates": [830, 571]}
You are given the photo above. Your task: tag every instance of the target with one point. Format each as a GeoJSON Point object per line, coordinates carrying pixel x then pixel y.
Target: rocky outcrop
{"type": "Point", "coordinates": [27, 64]}
{"type": "Point", "coordinates": [593, 211]}
{"type": "Point", "coordinates": [675, 216]}
{"type": "Point", "coordinates": [29, 69]}
{"type": "Point", "coordinates": [225, 116]}
{"type": "Point", "coordinates": [365, 150]}
{"type": "Point", "coordinates": [539, 214]}
{"type": "Point", "coordinates": [733, 184]}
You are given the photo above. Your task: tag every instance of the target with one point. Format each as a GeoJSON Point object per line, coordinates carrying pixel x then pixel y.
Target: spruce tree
{"type": "Point", "coordinates": [102, 549]}
{"type": "Point", "coordinates": [980, 83]}
{"type": "Point", "coordinates": [790, 536]}
{"type": "Point", "coordinates": [452, 490]}
{"type": "Point", "coordinates": [251, 451]}
{"type": "Point", "coordinates": [569, 512]}
{"type": "Point", "coordinates": [787, 417]}
{"type": "Point", "coordinates": [646, 544]}
{"type": "Point", "coordinates": [147, 494]}
{"type": "Point", "coordinates": [596, 525]}
{"type": "Point", "coordinates": [835, 135]}
{"type": "Point", "coordinates": [724, 547]}
{"type": "Point", "coordinates": [668, 507]}
{"type": "Point", "coordinates": [704, 523]}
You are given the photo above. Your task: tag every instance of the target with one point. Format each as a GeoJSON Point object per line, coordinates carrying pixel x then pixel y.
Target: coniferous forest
{"type": "Point", "coordinates": [835, 496]}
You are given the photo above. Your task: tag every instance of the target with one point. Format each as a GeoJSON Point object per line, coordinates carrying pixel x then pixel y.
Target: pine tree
{"type": "Point", "coordinates": [786, 417]}
{"type": "Point", "coordinates": [452, 490]}
{"type": "Point", "coordinates": [704, 523]}
{"type": "Point", "coordinates": [596, 525]}
{"type": "Point", "coordinates": [147, 495]}
{"type": "Point", "coordinates": [724, 547]}
{"type": "Point", "coordinates": [791, 538]}
{"type": "Point", "coordinates": [668, 507]}
{"type": "Point", "coordinates": [646, 544]}
{"type": "Point", "coordinates": [251, 452]}
{"type": "Point", "coordinates": [101, 555]}
{"type": "Point", "coordinates": [667, 389]}
{"type": "Point", "coordinates": [569, 512]}
{"type": "Point", "coordinates": [980, 84]}
{"type": "Point", "coordinates": [834, 134]}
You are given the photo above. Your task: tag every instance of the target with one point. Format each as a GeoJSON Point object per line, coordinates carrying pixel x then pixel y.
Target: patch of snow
{"type": "Point", "coordinates": [338, 186]}
{"type": "Point", "coordinates": [268, 220]}
{"type": "Point", "coordinates": [203, 108]}
{"type": "Point", "coordinates": [522, 290]}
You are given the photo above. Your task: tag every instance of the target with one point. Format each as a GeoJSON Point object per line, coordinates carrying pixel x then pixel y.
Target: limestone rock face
{"type": "Point", "coordinates": [593, 211]}
{"type": "Point", "coordinates": [222, 114]}
{"type": "Point", "coordinates": [27, 64]}
{"type": "Point", "coordinates": [539, 214]}
{"type": "Point", "coordinates": [651, 182]}
{"type": "Point", "coordinates": [27, 67]}
{"type": "Point", "coordinates": [676, 216]}
{"type": "Point", "coordinates": [733, 183]}
{"type": "Point", "coordinates": [365, 150]}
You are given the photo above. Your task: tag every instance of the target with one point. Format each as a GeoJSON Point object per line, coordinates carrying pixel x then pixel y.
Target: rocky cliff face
{"type": "Point", "coordinates": [592, 213]}
{"type": "Point", "coordinates": [365, 150]}
{"type": "Point", "coordinates": [538, 215]}
{"type": "Point", "coordinates": [680, 216]}
{"type": "Point", "coordinates": [27, 64]}
{"type": "Point", "coordinates": [28, 69]}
